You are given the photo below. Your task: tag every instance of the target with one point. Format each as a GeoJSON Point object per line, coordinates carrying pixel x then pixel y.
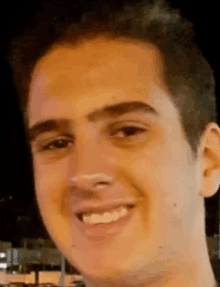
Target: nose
{"type": "Point", "coordinates": [96, 181]}
{"type": "Point", "coordinates": [92, 165]}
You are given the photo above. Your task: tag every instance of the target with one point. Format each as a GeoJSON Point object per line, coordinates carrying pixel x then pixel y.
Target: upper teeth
{"type": "Point", "coordinates": [106, 216]}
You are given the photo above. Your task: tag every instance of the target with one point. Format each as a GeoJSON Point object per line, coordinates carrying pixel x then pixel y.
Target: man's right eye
{"type": "Point", "coordinates": [58, 145]}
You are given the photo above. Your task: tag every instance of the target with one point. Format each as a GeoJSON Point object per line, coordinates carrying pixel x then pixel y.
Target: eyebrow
{"type": "Point", "coordinates": [113, 111]}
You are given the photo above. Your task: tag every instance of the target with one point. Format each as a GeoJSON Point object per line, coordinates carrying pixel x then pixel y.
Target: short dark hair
{"type": "Point", "coordinates": [188, 75]}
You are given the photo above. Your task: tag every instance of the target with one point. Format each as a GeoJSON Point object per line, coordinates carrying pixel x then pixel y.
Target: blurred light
{"type": "Point", "coordinates": [2, 255]}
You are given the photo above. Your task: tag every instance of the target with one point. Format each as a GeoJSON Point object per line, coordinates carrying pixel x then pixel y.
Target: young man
{"type": "Point", "coordinates": [120, 114]}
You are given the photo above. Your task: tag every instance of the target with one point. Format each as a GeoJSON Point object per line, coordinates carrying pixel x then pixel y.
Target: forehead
{"type": "Point", "coordinates": [95, 73]}
{"type": "Point", "coordinates": [98, 51]}
{"type": "Point", "coordinates": [101, 60]}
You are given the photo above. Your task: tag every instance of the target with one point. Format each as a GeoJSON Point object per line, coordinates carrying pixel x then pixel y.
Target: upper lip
{"type": "Point", "coordinates": [88, 207]}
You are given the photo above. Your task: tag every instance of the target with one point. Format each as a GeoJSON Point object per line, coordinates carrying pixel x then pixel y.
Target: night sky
{"type": "Point", "coordinates": [16, 170]}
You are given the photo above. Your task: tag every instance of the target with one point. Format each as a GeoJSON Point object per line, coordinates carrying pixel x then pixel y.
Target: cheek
{"type": "Point", "coordinates": [51, 191]}
{"type": "Point", "coordinates": [177, 197]}
{"type": "Point", "coordinates": [162, 181]}
{"type": "Point", "coordinates": [50, 186]}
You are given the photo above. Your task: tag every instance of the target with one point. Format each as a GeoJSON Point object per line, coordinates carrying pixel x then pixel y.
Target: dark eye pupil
{"type": "Point", "coordinates": [129, 131]}
{"type": "Point", "coordinates": [59, 144]}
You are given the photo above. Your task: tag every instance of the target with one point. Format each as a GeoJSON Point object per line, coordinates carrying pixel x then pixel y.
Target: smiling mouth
{"type": "Point", "coordinates": [106, 215]}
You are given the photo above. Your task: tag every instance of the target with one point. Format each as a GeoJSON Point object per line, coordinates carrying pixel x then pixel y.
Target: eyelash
{"type": "Point", "coordinates": [137, 130]}
{"type": "Point", "coordinates": [46, 147]}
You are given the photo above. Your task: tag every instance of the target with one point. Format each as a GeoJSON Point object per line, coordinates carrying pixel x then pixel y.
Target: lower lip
{"type": "Point", "coordinates": [104, 231]}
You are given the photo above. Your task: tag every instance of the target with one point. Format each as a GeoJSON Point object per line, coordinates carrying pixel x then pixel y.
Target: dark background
{"type": "Point", "coordinates": [16, 169]}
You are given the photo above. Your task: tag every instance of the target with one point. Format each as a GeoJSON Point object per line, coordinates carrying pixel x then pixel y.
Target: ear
{"type": "Point", "coordinates": [209, 151]}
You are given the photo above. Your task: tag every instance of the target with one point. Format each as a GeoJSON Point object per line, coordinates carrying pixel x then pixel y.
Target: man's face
{"type": "Point", "coordinates": [142, 151]}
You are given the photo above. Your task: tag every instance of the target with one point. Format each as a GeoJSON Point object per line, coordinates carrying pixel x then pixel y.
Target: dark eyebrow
{"type": "Point", "coordinates": [113, 111]}
{"type": "Point", "coordinates": [51, 125]}
{"type": "Point", "coordinates": [121, 109]}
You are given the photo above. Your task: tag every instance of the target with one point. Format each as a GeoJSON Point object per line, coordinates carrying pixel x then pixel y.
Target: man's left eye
{"type": "Point", "coordinates": [128, 131]}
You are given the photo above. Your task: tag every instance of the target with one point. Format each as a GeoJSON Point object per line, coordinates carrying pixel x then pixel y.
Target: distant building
{"type": "Point", "coordinates": [24, 256]}
{"type": "Point", "coordinates": [36, 243]}
{"type": "Point", "coordinates": [5, 245]}
{"type": "Point", "coordinates": [3, 254]}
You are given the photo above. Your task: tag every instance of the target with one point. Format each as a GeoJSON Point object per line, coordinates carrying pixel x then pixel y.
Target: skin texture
{"type": "Point", "coordinates": [164, 244]}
